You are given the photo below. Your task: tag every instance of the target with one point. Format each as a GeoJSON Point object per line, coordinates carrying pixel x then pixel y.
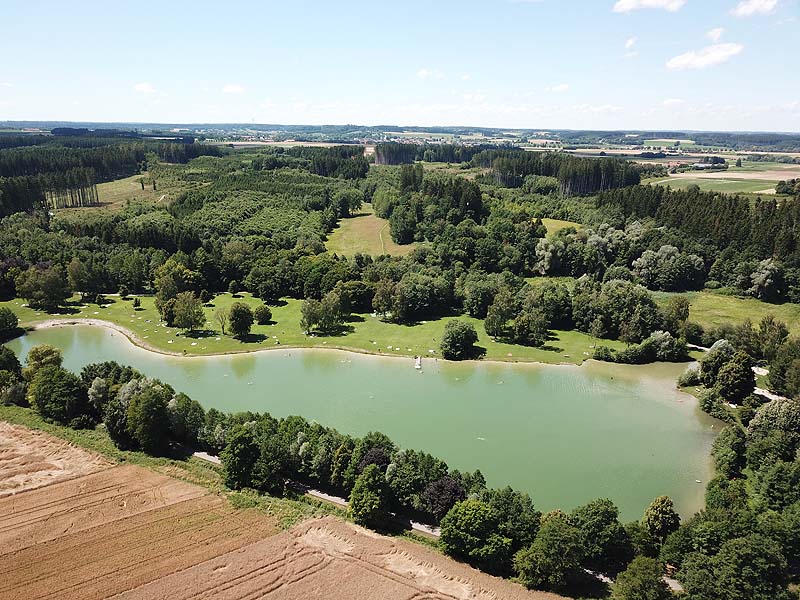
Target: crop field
{"type": "Point", "coordinates": [364, 333]}
{"type": "Point", "coordinates": [726, 185]}
{"type": "Point", "coordinates": [667, 142]}
{"type": "Point", "coordinates": [326, 558]}
{"type": "Point", "coordinates": [367, 234]}
{"type": "Point", "coordinates": [127, 532]}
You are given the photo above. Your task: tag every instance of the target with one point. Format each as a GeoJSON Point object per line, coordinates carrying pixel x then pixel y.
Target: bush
{"type": "Point", "coordinates": [186, 418]}
{"type": "Point", "coordinates": [736, 379]}
{"type": "Point", "coordinates": [262, 314]}
{"type": "Point", "coordinates": [642, 580]}
{"type": "Point", "coordinates": [58, 395]}
{"type": "Point", "coordinates": [553, 561]}
{"type": "Point", "coordinates": [12, 389]}
{"type": "Point", "coordinates": [240, 319]}
{"type": "Point", "coordinates": [711, 403]}
{"type": "Point", "coordinates": [604, 353]}
{"type": "Point", "coordinates": [8, 322]}
{"type": "Point", "coordinates": [148, 421]}
{"type": "Point", "coordinates": [458, 340]}
{"type": "Point", "coordinates": [9, 361]}
{"type": "Point", "coordinates": [690, 377]}
{"type": "Point", "coordinates": [368, 500]}
{"type": "Point", "coordinates": [469, 532]}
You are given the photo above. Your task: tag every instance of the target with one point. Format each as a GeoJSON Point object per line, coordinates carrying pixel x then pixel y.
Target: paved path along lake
{"type": "Point", "coordinates": [564, 434]}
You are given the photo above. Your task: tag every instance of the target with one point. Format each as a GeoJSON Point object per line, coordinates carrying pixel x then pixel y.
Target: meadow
{"type": "Point", "coordinates": [364, 233]}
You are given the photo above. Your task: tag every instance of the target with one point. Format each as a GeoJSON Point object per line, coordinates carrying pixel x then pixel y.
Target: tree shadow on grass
{"type": "Point", "coordinates": [353, 318]}
{"type": "Point", "coordinates": [475, 353]}
{"type": "Point", "coordinates": [71, 308]}
{"type": "Point", "coordinates": [549, 348]}
{"type": "Point", "coordinates": [200, 333]}
{"type": "Point", "coordinates": [253, 338]}
{"type": "Point", "coordinates": [275, 302]}
{"type": "Point", "coordinates": [427, 319]}
{"type": "Point", "coordinates": [340, 331]}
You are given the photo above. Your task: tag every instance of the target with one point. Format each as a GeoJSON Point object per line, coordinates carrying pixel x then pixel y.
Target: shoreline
{"type": "Point", "coordinates": [134, 339]}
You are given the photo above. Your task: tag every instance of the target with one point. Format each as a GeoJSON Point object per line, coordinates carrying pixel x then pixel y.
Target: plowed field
{"type": "Point", "coordinates": [101, 531]}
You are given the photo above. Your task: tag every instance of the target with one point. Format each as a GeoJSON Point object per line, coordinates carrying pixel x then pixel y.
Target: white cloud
{"type": "Point", "coordinates": [557, 89]}
{"type": "Point", "coordinates": [631, 42]}
{"type": "Point", "coordinates": [144, 88]}
{"type": "Point", "coordinates": [426, 73]}
{"type": "Point", "coordinates": [748, 8]}
{"type": "Point", "coordinates": [707, 57]}
{"type": "Point", "coordinates": [673, 103]}
{"type": "Point", "coordinates": [466, 77]}
{"type": "Point", "coordinates": [624, 6]}
{"type": "Point", "coordinates": [715, 34]}
{"type": "Point", "coordinates": [233, 88]}
{"type": "Point", "coordinates": [6, 84]}
{"type": "Point", "coordinates": [631, 54]}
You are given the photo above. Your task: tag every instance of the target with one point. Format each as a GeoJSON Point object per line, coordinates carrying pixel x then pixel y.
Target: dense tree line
{"type": "Point", "coordinates": [745, 543]}
{"type": "Point", "coordinates": [576, 176]}
{"type": "Point", "coordinates": [64, 172]}
{"type": "Point", "coordinates": [394, 153]}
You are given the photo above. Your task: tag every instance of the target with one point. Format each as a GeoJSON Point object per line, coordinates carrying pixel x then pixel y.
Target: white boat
{"type": "Point", "coordinates": [417, 362]}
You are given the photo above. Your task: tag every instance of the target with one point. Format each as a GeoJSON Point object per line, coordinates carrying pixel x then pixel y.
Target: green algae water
{"type": "Point", "coordinates": [564, 434]}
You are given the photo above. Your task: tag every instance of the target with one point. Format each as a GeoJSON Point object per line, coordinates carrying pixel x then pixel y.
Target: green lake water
{"type": "Point", "coordinates": [564, 434]}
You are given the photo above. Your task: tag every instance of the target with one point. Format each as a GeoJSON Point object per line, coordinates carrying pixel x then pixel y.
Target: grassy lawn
{"type": "Point", "coordinates": [365, 233]}
{"type": "Point", "coordinates": [711, 310]}
{"type": "Point", "coordinates": [554, 225]}
{"type": "Point", "coordinates": [364, 333]}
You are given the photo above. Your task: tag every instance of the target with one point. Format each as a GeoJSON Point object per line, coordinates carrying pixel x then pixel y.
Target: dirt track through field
{"type": "Point", "coordinates": [103, 531]}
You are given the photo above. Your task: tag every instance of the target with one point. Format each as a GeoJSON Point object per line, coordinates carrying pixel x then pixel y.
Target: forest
{"type": "Point", "coordinates": [257, 220]}
{"type": "Point", "coordinates": [62, 171]}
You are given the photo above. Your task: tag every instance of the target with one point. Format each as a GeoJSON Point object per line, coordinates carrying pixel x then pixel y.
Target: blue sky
{"type": "Point", "coordinates": [594, 64]}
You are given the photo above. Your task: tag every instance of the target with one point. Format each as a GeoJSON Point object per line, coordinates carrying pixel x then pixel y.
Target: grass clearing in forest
{"type": "Point", "coordinates": [114, 194]}
{"type": "Point", "coordinates": [363, 333]}
{"type": "Point", "coordinates": [555, 225]}
{"type": "Point", "coordinates": [365, 233]}
{"type": "Point", "coordinates": [711, 309]}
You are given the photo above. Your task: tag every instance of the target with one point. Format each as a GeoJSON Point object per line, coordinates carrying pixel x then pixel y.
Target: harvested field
{"type": "Point", "coordinates": [85, 502]}
{"type": "Point", "coordinates": [102, 531]}
{"type": "Point", "coordinates": [30, 459]}
{"type": "Point", "coordinates": [770, 175]}
{"type": "Point", "coordinates": [326, 558]}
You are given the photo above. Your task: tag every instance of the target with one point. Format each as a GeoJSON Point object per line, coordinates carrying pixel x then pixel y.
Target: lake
{"type": "Point", "coordinates": [564, 434]}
